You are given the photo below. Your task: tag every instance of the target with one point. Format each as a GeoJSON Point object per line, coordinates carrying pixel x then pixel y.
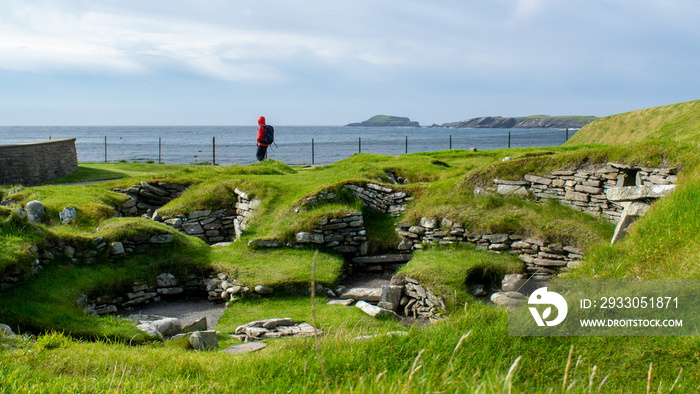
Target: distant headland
{"type": "Point", "coordinates": [385, 120]}
{"type": "Point", "coordinates": [487, 122]}
{"type": "Point", "coordinates": [525, 122]}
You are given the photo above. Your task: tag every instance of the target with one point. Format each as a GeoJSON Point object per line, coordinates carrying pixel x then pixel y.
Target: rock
{"type": "Point", "coordinates": [116, 248]}
{"type": "Point", "coordinates": [307, 237]}
{"type": "Point", "coordinates": [509, 299]}
{"type": "Point", "coordinates": [199, 325]}
{"type": "Point", "coordinates": [512, 282]}
{"type": "Point", "coordinates": [260, 289]}
{"type": "Point", "coordinates": [363, 294]}
{"type": "Point", "coordinates": [6, 330]}
{"type": "Point", "coordinates": [511, 189]}
{"type": "Point", "coordinates": [166, 280]}
{"type": "Point", "coordinates": [35, 211]}
{"type": "Point", "coordinates": [168, 326]}
{"type": "Point", "coordinates": [537, 179]}
{"type": "Point", "coordinates": [161, 239]}
{"type": "Point", "coordinates": [391, 297]}
{"type": "Point", "coordinates": [204, 340]}
{"type": "Point", "coordinates": [68, 215]}
{"type": "Point", "coordinates": [347, 302]}
{"type": "Point", "coordinates": [374, 311]}
{"type": "Point", "coordinates": [630, 214]}
{"type": "Point", "coordinates": [428, 223]}
{"type": "Point", "coordinates": [150, 330]}
{"type": "Point", "coordinates": [631, 193]}
{"type": "Point", "coordinates": [245, 348]}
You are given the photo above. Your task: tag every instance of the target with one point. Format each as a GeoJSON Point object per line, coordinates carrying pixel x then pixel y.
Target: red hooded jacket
{"type": "Point", "coordinates": [261, 131]}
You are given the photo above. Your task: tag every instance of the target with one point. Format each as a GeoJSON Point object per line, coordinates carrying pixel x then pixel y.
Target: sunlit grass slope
{"type": "Point", "coordinates": [676, 122]}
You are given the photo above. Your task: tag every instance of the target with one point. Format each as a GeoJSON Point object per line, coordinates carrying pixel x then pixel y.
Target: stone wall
{"type": "Point", "coordinates": [37, 162]}
{"type": "Point", "coordinates": [89, 250]}
{"type": "Point", "coordinates": [212, 227]}
{"type": "Point", "coordinates": [345, 234]}
{"type": "Point", "coordinates": [585, 190]}
{"type": "Point", "coordinates": [379, 198]}
{"type": "Point", "coordinates": [541, 260]}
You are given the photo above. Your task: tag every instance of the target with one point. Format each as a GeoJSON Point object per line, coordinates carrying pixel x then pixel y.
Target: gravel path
{"type": "Point", "coordinates": [188, 310]}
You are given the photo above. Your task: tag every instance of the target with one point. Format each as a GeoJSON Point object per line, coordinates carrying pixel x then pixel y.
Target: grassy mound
{"type": "Point", "coordinates": [676, 122]}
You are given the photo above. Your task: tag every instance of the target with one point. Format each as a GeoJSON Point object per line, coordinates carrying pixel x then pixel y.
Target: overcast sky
{"type": "Point", "coordinates": [312, 62]}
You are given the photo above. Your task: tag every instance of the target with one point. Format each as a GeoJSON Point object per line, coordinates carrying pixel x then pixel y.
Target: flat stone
{"type": "Point", "coordinates": [363, 294]}
{"type": "Point", "coordinates": [245, 348]}
{"type": "Point", "coordinates": [305, 237]}
{"type": "Point", "coordinates": [347, 302]}
{"type": "Point", "coordinates": [166, 280]}
{"type": "Point", "coordinates": [373, 310]}
{"type": "Point", "coordinates": [537, 179]}
{"type": "Point", "coordinates": [631, 193]}
{"type": "Point", "coordinates": [192, 228]}
{"type": "Point", "coordinates": [384, 258]}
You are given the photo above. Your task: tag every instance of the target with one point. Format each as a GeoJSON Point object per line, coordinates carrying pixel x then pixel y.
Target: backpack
{"type": "Point", "coordinates": [269, 135]}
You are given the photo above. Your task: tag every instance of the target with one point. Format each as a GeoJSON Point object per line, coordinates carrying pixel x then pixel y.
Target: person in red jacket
{"type": "Point", "coordinates": [262, 146]}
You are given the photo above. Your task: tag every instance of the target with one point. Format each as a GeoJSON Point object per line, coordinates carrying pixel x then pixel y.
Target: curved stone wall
{"type": "Point", "coordinates": [36, 162]}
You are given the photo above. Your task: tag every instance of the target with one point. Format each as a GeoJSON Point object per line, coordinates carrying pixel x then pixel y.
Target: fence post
{"type": "Point", "coordinates": [509, 140]}
{"type": "Point", "coordinates": [406, 144]}
{"type": "Point", "coordinates": [567, 134]}
{"type": "Point", "coordinates": [159, 150]}
{"type": "Point", "coordinates": [359, 145]}
{"type": "Point", "coordinates": [213, 147]}
{"type": "Point", "coordinates": [312, 151]}
{"type": "Point", "coordinates": [105, 149]}
{"type": "Point", "coordinates": [450, 141]}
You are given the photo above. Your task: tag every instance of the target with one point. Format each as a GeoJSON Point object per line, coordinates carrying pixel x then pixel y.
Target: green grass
{"type": "Point", "coordinates": [450, 270]}
{"type": "Point", "coordinates": [78, 353]}
{"type": "Point", "coordinates": [676, 122]}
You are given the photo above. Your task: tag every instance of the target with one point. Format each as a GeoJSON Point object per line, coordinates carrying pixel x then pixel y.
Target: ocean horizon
{"type": "Point", "coordinates": [293, 144]}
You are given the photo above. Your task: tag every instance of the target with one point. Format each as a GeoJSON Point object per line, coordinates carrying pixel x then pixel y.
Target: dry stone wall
{"type": "Point", "coordinates": [379, 198]}
{"type": "Point", "coordinates": [345, 234]}
{"type": "Point", "coordinates": [541, 259]}
{"type": "Point", "coordinates": [37, 162]}
{"type": "Point", "coordinates": [210, 226]}
{"type": "Point", "coordinates": [585, 190]}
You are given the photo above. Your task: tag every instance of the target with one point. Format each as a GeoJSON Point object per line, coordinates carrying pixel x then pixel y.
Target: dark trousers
{"type": "Point", "coordinates": [262, 152]}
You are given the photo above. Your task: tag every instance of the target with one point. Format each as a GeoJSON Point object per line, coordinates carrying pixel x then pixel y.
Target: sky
{"type": "Point", "coordinates": [313, 62]}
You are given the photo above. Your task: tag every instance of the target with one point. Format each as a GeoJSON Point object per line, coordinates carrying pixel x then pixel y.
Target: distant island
{"type": "Point", "coordinates": [525, 122]}
{"type": "Point", "coordinates": [385, 120]}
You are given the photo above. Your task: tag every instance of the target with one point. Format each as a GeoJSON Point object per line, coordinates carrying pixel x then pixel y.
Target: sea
{"type": "Point", "coordinates": [293, 144]}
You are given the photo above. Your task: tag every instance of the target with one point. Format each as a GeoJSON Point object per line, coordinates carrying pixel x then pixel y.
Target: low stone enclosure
{"type": "Point", "coordinates": [212, 227]}
{"type": "Point", "coordinates": [605, 191]}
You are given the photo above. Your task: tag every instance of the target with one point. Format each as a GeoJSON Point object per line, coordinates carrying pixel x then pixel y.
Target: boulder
{"type": "Point", "coordinates": [199, 325]}
{"type": "Point", "coordinates": [35, 211]}
{"type": "Point", "coordinates": [116, 248]}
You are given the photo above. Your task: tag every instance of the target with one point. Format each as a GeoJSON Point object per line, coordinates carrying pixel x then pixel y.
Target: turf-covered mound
{"type": "Point", "coordinates": [676, 122]}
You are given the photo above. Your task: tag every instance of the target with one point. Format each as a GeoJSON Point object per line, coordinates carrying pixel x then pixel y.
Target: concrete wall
{"type": "Point", "coordinates": [37, 162]}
